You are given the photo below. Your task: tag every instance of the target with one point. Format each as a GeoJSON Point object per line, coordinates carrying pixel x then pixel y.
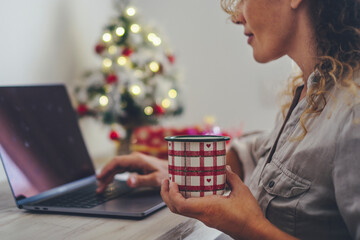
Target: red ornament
{"type": "Point", "coordinates": [111, 78]}
{"type": "Point", "coordinates": [171, 58]}
{"type": "Point", "coordinates": [114, 135]}
{"type": "Point", "coordinates": [127, 52]}
{"type": "Point", "coordinates": [159, 110]}
{"type": "Point", "coordinates": [82, 109]}
{"type": "Point", "coordinates": [99, 48]}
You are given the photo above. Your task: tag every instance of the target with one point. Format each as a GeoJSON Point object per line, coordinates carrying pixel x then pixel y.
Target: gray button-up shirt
{"type": "Point", "coordinates": [309, 188]}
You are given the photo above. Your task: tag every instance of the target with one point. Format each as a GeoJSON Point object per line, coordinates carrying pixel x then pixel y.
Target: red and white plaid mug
{"type": "Point", "coordinates": [197, 164]}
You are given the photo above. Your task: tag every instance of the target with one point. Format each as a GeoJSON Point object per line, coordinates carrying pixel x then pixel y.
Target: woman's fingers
{"type": "Point", "coordinates": [117, 165]}
{"type": "Point", "coordinates": [149, 180]}
{"type": "Point", "coordinates": [177, 203]}
{"type": "Point", "coordinates": [104, 182]}
{"type": "Point", "coordinates": [169, 193]}
{"type": "Point", "coordinates": [233, 180]}
{"type": "Point", "coordinates": [165, 193]}
{"type": "Point", "coordinates": [176, 199]}
{"type": "Point", "coordinates": [101, 187]}
{"type": "Point", "coordinates": [153, 171]}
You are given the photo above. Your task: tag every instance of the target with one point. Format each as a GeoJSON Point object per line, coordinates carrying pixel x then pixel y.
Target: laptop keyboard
{"type": "Point", "coordinates": [85, 197]}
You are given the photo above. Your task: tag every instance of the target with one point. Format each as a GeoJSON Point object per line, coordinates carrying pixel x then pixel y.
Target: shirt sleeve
{"type": "Point", "coordinates": [346, 173]}
{"type": "Point", "coordinates": [249, 149]}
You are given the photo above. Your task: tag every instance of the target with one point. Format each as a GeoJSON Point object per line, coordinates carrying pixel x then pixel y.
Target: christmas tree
{"type": "Point", "coordinates": [138, 81]}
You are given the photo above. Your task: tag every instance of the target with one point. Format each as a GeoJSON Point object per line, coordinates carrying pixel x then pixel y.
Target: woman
{"type": "Point", "coordinates": [302, 177]}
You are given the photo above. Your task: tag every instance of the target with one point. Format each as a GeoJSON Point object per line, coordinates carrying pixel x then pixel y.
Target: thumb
{"type": "Point", "coordinates": [232, 179]}
{"type": "Point", "coordinates": [149, 180]}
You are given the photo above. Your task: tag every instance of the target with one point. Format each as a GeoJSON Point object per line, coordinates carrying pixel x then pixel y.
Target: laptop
{"type": "Point", "coordinates": [46, 161]}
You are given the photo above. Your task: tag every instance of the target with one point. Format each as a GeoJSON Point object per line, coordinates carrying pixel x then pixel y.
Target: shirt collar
{"type": "Point", "coordinates": [312, 79]}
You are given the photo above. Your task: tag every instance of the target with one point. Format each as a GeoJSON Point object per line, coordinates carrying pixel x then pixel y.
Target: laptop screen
{"type": "Point", "coordinates": [41, 145]}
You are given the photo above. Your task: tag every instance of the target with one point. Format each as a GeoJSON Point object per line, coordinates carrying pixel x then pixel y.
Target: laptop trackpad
{"type": "Point", "coordinates": [137, 201]}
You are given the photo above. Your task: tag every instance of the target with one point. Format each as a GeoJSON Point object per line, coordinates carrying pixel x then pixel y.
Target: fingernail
{"type": "Point", "coordinates": [166, 181]}
{"type": "Point", "coordinates": [132, 180]}
{"type": "Point", "coordinates": [228, 167]}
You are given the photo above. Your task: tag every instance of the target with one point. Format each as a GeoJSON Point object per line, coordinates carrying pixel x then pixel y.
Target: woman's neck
{"type": "Point", "coordinates": [303, 49]}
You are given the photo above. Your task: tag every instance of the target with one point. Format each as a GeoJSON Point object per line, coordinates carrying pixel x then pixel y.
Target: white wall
{"type": "Point", "coordinates": [46, 41]}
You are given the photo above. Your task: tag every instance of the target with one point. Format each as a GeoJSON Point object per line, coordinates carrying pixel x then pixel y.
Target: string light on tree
{"type": "Point", "coordinates": [106, 37]}
{"type": "Point", "coordinates": [103, 100]}
{"type": "Point", "coordinates": [148, 110]}
{"type": "Point", "coordinates": [154, 66]}
{"type": "Point", "coordinates": [152, 37]}
{"type": "Point", "coordinates": [135, 28]}
{"type": "Point", "coordinates": [107, 62]}
{"type": "Point", "coordinates": [120, 31]}
{"type": "Point", "coordinates": [166, 103]}
{"type": "Point", "coordinates": [172, 93]}
{"type": "Point", "coordinates": [112, 49]}
{"type": "Point", "coordinates": [131, 11]}
{"type": "Point", "coordinates": [122, 61]}
{"type": "Point", "coordinates": [135, 90]}
{"type": "Point", "coordinates": [157, 41]}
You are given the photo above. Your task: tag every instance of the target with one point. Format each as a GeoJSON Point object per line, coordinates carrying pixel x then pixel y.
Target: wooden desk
{"type": "Point", "coordinates": [19, 224]}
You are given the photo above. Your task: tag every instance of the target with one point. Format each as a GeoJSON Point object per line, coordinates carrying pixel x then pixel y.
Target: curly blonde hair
{"type": "Point", "coordinates": [337, 35]}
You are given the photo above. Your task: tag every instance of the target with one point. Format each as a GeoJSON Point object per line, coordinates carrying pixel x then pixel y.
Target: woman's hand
{"type": "Point", "coordinates": [149, 171]}
{"type": "Point", "coordinates": [238, 214]}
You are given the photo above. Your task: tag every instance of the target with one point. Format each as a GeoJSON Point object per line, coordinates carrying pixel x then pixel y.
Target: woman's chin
{"type": "Point", "coordinates": [264, 58]}
{"type": "Point", "coordinates": [261, 59]}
